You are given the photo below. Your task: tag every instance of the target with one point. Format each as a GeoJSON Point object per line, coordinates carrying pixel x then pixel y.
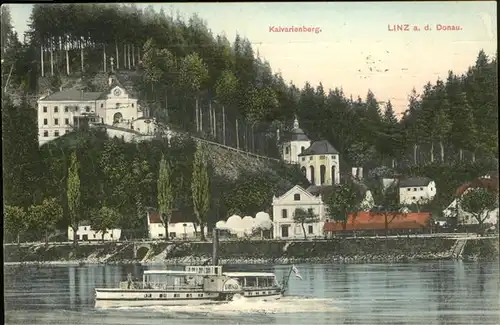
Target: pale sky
{"type": "Point", "coordinates": [350, 32]}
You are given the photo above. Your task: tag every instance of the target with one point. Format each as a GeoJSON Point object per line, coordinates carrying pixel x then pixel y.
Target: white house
{"type": "Point", "coordinates": [454, 210]}
{"type": "Point", "coordinates": [113, 109]}
{"type": "Point", "coordinates": [85, 233]}
{"type": "Point", "coordinates": [284, 207]}
{"type": "Point", "coordinates": [178, 227]}
{"type": "Point", "coordinates": [320, 163]}
{"type": "Point", "coordinates": [415, 190]}
{"type": "Point", "coordinates": [296, 143]}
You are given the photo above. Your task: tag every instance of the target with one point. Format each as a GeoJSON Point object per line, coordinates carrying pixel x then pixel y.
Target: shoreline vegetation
{"type": "Point", "coordinates": [338, 251]}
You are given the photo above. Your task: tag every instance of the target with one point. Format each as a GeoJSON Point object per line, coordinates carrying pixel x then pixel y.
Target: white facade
{"type": "Point", "coordinates": [466, 218]}
{"type": "Point", "coordinates": [284, 208]}
{"type": "Point", "coordinates": [60, 112]}
{"type": "Point", "coordinates": [182, 230]}
{"type": "Point", "coordinates": [297, 143]}
{"type": "Point", "coordinates": [322, 169]}
{"type": "Point", "coordinates": [85, 233]}
{"type": "Point", "coordinates": [417, 194]}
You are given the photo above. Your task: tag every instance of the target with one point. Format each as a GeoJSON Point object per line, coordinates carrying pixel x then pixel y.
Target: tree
{"type": "Point", "coordinates": [343, 201]}
{"type": "Point", "coordinates": [165, 193]}
{"type": "Point", "coordinates": [301, 217]}
{"type": "Point", "coordinates": [193, 74]}
{"type": "Point", "coordinates": [104, 219]}
{"type": "Point", "coordinates": [15, 222]}
{"type": "Point", "coordinates": [74, 195]}
{"type": "Point", "coordinates": [479, 202]}
{"type": "Point", "coordinates": [46, 215]}
{"type": "Point", "coordinates": [387, 204]}
{"type": "Point", "coordinates": [463, 127]}
{"type": "Point", "coordinates": [200, 187]}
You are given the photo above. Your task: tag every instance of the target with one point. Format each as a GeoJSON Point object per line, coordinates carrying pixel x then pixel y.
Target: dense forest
{"type": "Point", "coordinates": [223, 91]}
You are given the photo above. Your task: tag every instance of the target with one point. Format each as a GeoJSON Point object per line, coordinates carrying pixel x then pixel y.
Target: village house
{"type": "Point", "coordinates": [416, 190]}
{"type": "Point", "coordinates": [86, 233]}
{"type": "Point", "coordinates": [113, 110]}
{"type": "Point", "coordinates": [454, 210]}
{"type": "Point", "coordinates": [179, 227]}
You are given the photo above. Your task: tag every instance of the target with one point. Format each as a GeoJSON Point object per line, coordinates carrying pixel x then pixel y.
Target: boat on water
{"type": "Point", "coordinates": [195, 285]}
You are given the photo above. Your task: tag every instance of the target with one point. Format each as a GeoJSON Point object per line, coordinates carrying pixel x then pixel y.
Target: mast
{"type": "Point", "coordinates": [215, 257]}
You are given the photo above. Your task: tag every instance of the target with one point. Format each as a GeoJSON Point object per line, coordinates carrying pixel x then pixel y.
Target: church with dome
{"type": "Point", "coordinates": [319, 161]}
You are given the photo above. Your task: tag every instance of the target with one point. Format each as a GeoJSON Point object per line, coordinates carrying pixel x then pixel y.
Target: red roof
{"type": "Point", "coordinates": [371, 221]}
{"type": "Point", "coordinates": [177, 216]}
{"type": "Point", "coordinates": [481, 182]}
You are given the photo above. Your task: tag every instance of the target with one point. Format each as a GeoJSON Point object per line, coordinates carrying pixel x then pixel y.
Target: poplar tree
{"type": "Point", "coordinates": [200, 187]}
{"type": "Point", "coordinates": [74, 195]}
{"type": "Point", "coordinates": [165, 193]}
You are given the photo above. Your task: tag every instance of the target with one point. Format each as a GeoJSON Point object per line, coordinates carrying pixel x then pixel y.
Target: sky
{"type": "Point", "coordinates": [354, 37]}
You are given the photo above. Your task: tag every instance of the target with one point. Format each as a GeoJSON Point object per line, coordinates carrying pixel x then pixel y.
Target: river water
{"type": "Point", "coordinates": [427, 293]}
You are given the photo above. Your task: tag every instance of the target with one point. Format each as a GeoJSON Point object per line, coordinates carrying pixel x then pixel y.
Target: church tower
{"type": "Point", "coordinates": [296, 142]}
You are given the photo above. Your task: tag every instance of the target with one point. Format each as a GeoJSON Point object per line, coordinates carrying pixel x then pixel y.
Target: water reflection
{"type": "Point", "coordinates": [423, 293]}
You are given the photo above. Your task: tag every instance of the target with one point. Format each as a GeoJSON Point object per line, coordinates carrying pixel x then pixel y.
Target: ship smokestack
{"type": "Point", "coordinates": [215, 257]}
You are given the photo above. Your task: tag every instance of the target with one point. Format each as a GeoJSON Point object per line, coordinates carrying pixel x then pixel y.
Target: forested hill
{"type": "Point", "coordinates": [222, 91]}
{"type": "Point", "coordinates": [183, 65]}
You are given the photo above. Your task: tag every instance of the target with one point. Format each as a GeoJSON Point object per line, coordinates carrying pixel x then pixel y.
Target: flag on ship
{"type": "Point", "coordinates": [296, 272]}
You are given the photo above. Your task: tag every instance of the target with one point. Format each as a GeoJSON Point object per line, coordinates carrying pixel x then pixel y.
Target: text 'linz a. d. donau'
{"type": "Point", "coordinates": [416, 28]}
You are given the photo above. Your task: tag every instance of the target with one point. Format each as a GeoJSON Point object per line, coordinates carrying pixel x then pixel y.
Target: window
{"type": "Point", "coordinates": [322, 157]}
{"type": "Point", "coordinates": [413, 197]}
{"type": "Point", "coordinates": [66, 121]}
{"type": "Point", "coordinates": [176, 295]}
{"type": "Point", "coordinates": [200, 295]}
{"type": "Point", "coordinates": [45, 109]}
{"type": "Point", "coordinates": [66, 109]}
{"type": "Point", "coordinates": [287, 150]}
{"type": "Point", "coordinates": [56, 109]}
{"type": "Point", "coordinates": [303, 158]}
{"type": "Point", "coordinates": [160, 235]}
{"type": "Point", "coordinates": [421, 188]}
{"type": "Point", "coordinates": [302, 149]}
{"type": "Point", "coordinates": [111, 234]}
{"type": "Point", "coordinates": [132, 104]}
{"type": "Point", "coordinates": [311, 158]}
{"type": "Point", "coordinates": [84, 228]}
{"type": "Point", "coordinates": [312, 180]}
{"type": "Point", "coordinates": [310, 229]}
{"type": "Point", "coordinates": [118, 105]}
{"type": "Point", "coordinates": [87, 109]}
{"type": "Point", "coordinates": [409, 189]}
{"type": "Point", "coordinates": [56, 133]}
{"type": "Point", "coordinates": [296, 197]}
{"type": "Point", "coordinates": [303, 170]}
{"type": "Point", "coordinates": [322, 174]}
{"type": "Point", "coordinates": [94, 235]}
{"type": "Point", "coordinates": [284, 213]}
{"type": "Point", "coordinates": [333, 157]}
{"type": "Point", "coordinates": [310, 210]}
{"type": "Point", "coordinates": [102, 105]}
{"type": "Point", "coordinates": [189, 295]}
{"type": "Point", "coordinates": [56, 121]}
{"type": "Point", "coordinates": [414, 189]}
{"type": "Point", "coordinates": [421, 197]}
{"type": "Point", "coordinates": [45, 133]}
{"type": "Point", "coordinates": [45, 121]}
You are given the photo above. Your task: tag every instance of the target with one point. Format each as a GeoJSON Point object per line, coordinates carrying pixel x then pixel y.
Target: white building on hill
{"type": "Point", "coordinates": [296, 142]}
{"type": "Point", "coordinates": [416, 190]}
{"type": "Point", "coordinates": [320, 164]}
{"type": "Point", "coordinates": [59, 113]}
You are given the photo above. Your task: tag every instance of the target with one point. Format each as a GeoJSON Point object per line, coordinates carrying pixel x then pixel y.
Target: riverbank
{"type": "Point", "coordinates": [354, 250]}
